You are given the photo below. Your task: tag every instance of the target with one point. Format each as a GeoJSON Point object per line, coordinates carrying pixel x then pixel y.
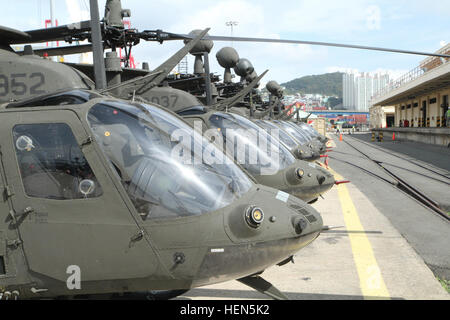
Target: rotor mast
{"type": "Point", "coordinates": [97, 47]}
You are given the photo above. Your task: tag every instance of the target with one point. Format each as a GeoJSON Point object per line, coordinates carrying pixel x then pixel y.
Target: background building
{"type": "Point", "coordinates": [359, 88]}
{"type": "Point", "coordinates": [421, 101]}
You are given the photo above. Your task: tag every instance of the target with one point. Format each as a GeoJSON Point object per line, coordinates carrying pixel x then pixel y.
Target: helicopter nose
{"type": "Point", "coordinates": [326, 179]}
{"type": "Point", "coordinates": [316, 154]}
{"type": "Point", "coordinates": [305, 155]}
{"type": "Point", "coordinates": [288, 216]}
{"type": "Point", "coordinates": [264, 230]}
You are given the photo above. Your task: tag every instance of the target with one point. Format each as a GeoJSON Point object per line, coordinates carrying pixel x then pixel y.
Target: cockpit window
{"type": "Point", "coordinates": [52, 164]}
{"type": "Point", "coordinates": [162, 162]}
{"type": "Point", "coordinates": [309, 130]}
{"type": "Point", "coordinates": [299, 130]}
{"type": "Point", "coordinates": [284, 137]}
{"type": "Point", "coordinates": [263, 154]}
{"type": "Point", "coordinates": [292, 131]}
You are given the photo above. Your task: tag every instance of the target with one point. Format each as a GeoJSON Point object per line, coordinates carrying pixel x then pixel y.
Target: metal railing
{"type": "Point", "coordinates": [415, 73]}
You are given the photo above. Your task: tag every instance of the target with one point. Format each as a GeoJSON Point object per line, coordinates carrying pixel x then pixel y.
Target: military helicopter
{"type": "Point", "coordinates": [96, 214]}
{"type": "Point", "coordinates": [113, 193]}
{"type": "Point", "coordinates": [96, 154]}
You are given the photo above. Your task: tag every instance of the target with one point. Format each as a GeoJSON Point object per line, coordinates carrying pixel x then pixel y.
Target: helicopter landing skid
{"type": "Point", "coordinates": [263, 286]}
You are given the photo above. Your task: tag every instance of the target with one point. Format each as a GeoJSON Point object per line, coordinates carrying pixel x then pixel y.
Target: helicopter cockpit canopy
{"type": "Point", "coordinates": [284, 137]}
{"type": "Point", "coordinates": [167, 169]}
{"type": "Point", "coordinates": [309, 131]}
{"type": "Point", "coordinates": [265, 154]}
{"type": "Point", "coordinates": [292, 131]}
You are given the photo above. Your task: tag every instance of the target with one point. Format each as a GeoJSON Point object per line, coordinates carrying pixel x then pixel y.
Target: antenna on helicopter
{"type": "Point", "coordinates": [227, 58]}
{"type": "Point", "coordinates": [201, 66]}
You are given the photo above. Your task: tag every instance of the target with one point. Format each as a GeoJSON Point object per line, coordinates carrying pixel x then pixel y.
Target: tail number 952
{"type": "Point", "coordinates": [20, 84]}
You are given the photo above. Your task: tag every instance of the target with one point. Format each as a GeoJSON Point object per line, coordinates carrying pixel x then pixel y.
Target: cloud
{"type": "Point", "coordinates": [75, 12]}
{"type": "Point", "coordinates": [254, 20]}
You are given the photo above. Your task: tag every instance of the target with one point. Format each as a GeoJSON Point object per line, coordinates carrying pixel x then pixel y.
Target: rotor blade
{"type": "Point", "coordinates": [61, 51]}
{"type": "Point", "coordinates": [171, 63]}
{"type": "Point", "coordinates": [328, 44]}
{"type": "Point", "coordinates": [149, 77]}
{"type": "Point", "coordinates": [56, 33]}
{"type": "Point", "coordinates": [165, 68]}
{"type": "Point", "coordinates": [266, 112]}
{"type": "Point", "coordinates": [10, 36]}
{"type": "Point", "coordinates": [160, 35]}
{"type": "Point", "coordinates": [237, 97]}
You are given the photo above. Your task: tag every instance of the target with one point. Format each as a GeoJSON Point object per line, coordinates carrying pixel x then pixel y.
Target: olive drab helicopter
{"type": "Point", "coordinates": [92, 188]}
{"type": "Point", "coordinates": [121, 208]}
{"type": "Point", "coordinates": [90, 184]}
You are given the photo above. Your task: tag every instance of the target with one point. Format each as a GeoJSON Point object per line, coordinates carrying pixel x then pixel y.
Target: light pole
{"type": "Point", "coordinates": [231, 24]}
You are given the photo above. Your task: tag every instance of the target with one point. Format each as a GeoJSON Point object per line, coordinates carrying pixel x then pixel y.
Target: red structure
{"type": "Point", "coordinates": [132, 61]}
{"type": "Point", "coordinates": [49, 22]}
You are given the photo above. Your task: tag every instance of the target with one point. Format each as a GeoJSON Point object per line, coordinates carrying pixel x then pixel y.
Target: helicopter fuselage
{"type": "Point", "coordinates": [53, 230]}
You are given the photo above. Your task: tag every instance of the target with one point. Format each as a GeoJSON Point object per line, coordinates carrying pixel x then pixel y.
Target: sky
{"type": "Point", "coordinates": [401, 24]}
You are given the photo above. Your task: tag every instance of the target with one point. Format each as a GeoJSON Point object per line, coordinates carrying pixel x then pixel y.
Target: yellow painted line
{"type": "Point", "coordinates": [370, 277]}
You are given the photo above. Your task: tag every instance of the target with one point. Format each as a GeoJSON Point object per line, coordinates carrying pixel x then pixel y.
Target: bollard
{"type": "Point", "coordinates": [373, 136]}
{"type": "Point", "coordinates": [393, 136]}
{"type": "Point", "coordinates": [340, 137]}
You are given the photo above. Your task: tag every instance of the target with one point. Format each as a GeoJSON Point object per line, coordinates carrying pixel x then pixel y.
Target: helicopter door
{"type": "Point", "coordinates": [70, 212]}
{"type": "Point", "coordinates": [11, 253]}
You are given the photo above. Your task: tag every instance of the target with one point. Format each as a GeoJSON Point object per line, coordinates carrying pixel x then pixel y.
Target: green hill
{"type": "Point", "coordinates": [329, 84]}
